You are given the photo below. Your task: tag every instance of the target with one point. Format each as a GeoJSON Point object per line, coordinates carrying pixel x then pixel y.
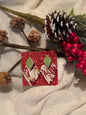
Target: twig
{"type": "Point", "coordinates": [14, 66]}
{"type": "Point", "coordinates": [5, 44]}
{"type": "Point", "coordinates": [26, 37]}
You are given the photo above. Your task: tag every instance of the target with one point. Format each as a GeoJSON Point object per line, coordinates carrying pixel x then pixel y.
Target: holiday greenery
{"type": "Point", "coordinates": [68, 31]}
{"type": "Point", "coordinates": [80, 20]}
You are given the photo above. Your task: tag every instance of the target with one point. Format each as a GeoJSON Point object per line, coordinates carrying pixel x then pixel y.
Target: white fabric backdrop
{"type": "Point", "coordinates": [62, 99]}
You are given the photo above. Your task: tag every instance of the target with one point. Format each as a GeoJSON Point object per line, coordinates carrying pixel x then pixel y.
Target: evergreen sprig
{"type": "Point", "coordinates": [81, 26]}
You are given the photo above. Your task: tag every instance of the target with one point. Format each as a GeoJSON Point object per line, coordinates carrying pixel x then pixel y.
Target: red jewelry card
{"type": "Point", "coordinates": [39, 68]}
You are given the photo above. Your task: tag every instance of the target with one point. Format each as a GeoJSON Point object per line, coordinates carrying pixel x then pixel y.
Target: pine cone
{"type": "Point", "coordinates": [58, 26]}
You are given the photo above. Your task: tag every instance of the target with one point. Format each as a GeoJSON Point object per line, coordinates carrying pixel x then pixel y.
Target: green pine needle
{"type": "Point", "coordinates": [71, 12]}
{"type": "Point", "coordinates": [81, 25]}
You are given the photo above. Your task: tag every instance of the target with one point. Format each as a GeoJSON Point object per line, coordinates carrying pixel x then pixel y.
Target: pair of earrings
{"type": "Point", "coordinates": [31, 72]}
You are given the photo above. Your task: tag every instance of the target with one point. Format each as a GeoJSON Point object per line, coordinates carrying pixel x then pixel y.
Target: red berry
{"type": "Point", "coordinates": [76, 39]}
{"type": "Point", "coordinates": [81, 66]}
{"type": "Point", "coordinates": [75, 57]}
{"type": "Point", "coordinates": [83, 62]}
{"type": "Point", "coordinates": [77, 65]}
{"type": "Point", "coordinates": [84, 56]}
{"type": "Point", "coordinates": [64, 49]}
{"type": "Point", "coordinates": [84, 72]}
{"type": "Point", "coordinates": [75, 45]}
{"type": "Point", "coordinates": [70, 58]}
{"type": "Point", "coordinates": [64, 43]}
{"type": "Point", "coordinates": [69, 46]}
{"type": "Point", "coordinates": [69, 39]}
{"type": "Point", "coordinates": [80, 52]}
{"type": "Point", "coordinates": [67, 53]}
{"type": "Point", "coordinates": [84, 53]}
{"type": "Point", "coordinates": [80, 45]}
{"type": "Point", "coordinates": [74, 51]}
{"type": "Point", "coordinates": [80, 58]}
{"type": "Point", "coordinates": [73, 34]}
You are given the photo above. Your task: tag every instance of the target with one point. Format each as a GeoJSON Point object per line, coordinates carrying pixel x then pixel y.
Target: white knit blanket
{"type": "Point", "coordinates": [68, 97]}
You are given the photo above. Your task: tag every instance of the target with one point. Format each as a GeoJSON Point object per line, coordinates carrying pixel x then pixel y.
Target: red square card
{"type": "Point", "coordinates": [39, 68]}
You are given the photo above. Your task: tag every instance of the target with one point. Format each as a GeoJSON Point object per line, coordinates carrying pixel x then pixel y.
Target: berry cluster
{"type": "Point", "coordinates": [73, 49]}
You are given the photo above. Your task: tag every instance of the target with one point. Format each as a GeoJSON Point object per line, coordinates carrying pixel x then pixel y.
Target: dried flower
{"type": "Point", "coordinates": [17, 23]}
{"type": "Point", "coordinates": [3, 35]}
{"type": "Point", "coordinates": [34, 36]}
{"type": "Point", "coordinates": [5, 78]}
